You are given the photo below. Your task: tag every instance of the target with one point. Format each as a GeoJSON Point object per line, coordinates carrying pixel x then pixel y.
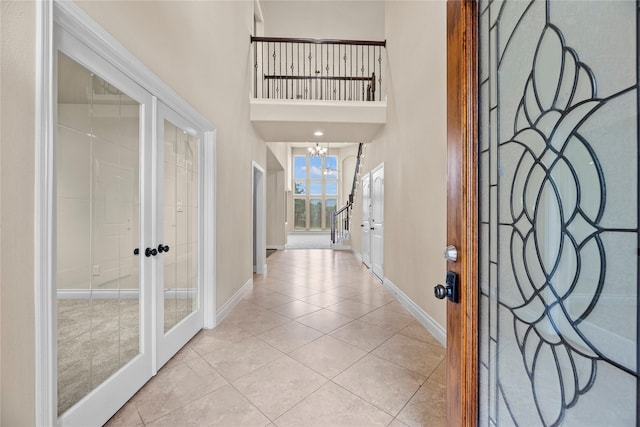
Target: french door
{"type": "Point", "coordinates": [543, 208]}
{"type": "Point", "coordinates": [179, 289]}
{"type": "Point", "coordinates": [126, 242]}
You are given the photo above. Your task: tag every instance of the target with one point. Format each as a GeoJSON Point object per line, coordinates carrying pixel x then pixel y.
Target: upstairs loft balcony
{"type": "Point", "coordinates": [304, 85]}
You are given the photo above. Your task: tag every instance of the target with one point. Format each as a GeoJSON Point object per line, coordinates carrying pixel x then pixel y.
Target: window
{"type": "Point", "coordinates": [315, 191]}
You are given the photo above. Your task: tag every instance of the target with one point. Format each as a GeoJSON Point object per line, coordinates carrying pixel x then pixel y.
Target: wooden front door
{"type": "Point", "coordinates": [461, 208]}
{"type": "Point", "coordinates": [543, 208]}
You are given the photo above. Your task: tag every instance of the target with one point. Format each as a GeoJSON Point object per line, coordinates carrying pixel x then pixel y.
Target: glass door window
{"type": "Point", "coordinates": [558, 214]}
{"type": "Point", "coordinates": [180, 243]}
{"type": "Point", "coordinates": [178, 199]}
{"type": "Point", "coordinates": [100, 330]}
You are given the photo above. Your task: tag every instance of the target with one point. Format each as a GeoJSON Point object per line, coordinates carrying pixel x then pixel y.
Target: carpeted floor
{"type": "Point", "coordinates": [310, 240]}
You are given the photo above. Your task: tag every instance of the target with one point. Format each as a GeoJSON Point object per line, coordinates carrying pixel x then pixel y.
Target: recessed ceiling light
{"type": "Point", "coordinates": [318, 133]}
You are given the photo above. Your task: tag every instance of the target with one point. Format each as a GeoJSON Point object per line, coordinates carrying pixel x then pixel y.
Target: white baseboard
{"type": "Point", "coordinates": [425, 320]}
{"type": "Point", "coordinates": [357, 254]}
{"type": "Point", "coordinates": [228, 306]}
{"type": "Point", "coordinates": [276, 247]}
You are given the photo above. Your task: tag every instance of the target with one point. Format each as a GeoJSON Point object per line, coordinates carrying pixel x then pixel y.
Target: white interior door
{"type": "Point", "coordinates": [366, 223]}
{"type": "Point", "coordinates": [377, 221]}
{"type": "Point", "coordinates": [178, 247]}
{"type": "Point", "coordinates": [101, 218]}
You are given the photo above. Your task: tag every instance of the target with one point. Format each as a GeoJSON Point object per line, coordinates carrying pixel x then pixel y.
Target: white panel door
{"type": "Point", "coordinates": [366, 223]}
{"type": "Point", "coordinates": [179, 268]}
{"type": "Point", "coordinates": [377, 221]}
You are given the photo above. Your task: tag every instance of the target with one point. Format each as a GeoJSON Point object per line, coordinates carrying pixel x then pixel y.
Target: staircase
{"type": "Point", "coordinates": [341, 219]}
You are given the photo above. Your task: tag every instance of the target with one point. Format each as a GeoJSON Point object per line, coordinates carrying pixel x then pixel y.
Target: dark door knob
{"type": "Point", "coordinates": [440, 291]}
{"type": "Point", "coordinates": [149, 252]}
{"type": "Point", "coordinates": [136, 251]}
{"type": "Point", "coordinates": [450, 290]}
{"type": "Point", "coordinates": [162, 248]}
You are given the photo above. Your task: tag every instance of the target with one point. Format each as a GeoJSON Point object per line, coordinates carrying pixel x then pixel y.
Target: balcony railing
{"type": "Point", "coordinates": [318, 69]}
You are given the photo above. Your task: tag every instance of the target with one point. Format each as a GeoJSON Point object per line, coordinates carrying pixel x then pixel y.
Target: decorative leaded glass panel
{"type": "Point", "coordinates": [558, 213]}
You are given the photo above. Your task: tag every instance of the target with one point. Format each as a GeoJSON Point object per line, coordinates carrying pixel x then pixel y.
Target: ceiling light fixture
{"type": "Point", "coordinates": [318, 133]}
{"type": "Point", "coordinates": [317, 151]}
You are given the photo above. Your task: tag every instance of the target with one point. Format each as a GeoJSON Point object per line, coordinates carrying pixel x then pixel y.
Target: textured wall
{"type": "Point", "coordinates": [17, 135]}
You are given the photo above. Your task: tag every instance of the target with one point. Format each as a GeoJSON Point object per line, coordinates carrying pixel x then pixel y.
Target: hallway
{"type": "Point", "coordinates": [318, 342]}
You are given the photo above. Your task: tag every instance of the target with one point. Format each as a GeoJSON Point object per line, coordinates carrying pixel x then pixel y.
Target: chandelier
{"type": "Point", "coordinates": [317, 151]}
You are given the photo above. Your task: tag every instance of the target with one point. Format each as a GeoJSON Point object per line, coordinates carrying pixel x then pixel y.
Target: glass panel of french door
{"type": "Point", "coordinates": [101, 351]}
{"type": "Point", "coordinates": [178, 251]}
{"type": "Point", "coordinates": [558, 214]}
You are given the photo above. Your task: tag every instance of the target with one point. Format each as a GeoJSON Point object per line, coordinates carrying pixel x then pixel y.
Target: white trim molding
{"type": "Point", "coordinates": [234, 300]}
{"type": "Point", "coordinates": [425, 320]}
{"type": "Point", "coordinates": [45, 320]}
{"type": "Point", "coordinates": [259, 210]}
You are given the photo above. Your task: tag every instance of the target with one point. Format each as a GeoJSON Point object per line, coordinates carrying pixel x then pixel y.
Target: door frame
{"type": "Point", "coordinates": [69, 17]}
{"type": "Point", "coordinates": [258, 212]}
{"type": "Point", "coordinates": [462, 226]}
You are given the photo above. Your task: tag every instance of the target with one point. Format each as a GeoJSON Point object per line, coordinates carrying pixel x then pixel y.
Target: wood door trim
{"type": "Point", "coordinates": [462, 226]}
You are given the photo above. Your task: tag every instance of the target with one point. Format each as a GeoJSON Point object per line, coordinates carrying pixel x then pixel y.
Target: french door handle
{"type": "Point", "coordinates": [136, 251]}
{"type": "Point", "coordinates": [162, 248]}
{"type": "Point", "coordinates": [150, 252]}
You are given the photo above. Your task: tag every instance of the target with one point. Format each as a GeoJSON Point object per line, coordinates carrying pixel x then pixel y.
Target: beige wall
{"type": "Point", "coordinates": [275, 200]}
{"type": "Point", "coordinates": [17, 114]}
{"type": "Point", "coordinates": [276, 188]}
{"type": "Point", "coordinates": [413, 149]}
{"type": "Point", "coordinates": [346, 168]}
{"type": "Point", "coordinates": [201, 50]}
{"type": "Point", "coordinates": [331, 19]}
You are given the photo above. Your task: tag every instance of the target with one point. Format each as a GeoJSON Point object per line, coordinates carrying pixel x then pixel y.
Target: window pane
{"type": "Point", "coordinates": [300, 188]}
{"type": "Point", "coordinates": [331, 167]}
{"type": "Point", "coordinates": [331, 162]}
{"type": "Point", "coordinates": [330, 207]}
{"type": "Point", "coordinates": [315, 171]}
{"type": "Point", "coordinates": [300, 216]}
{"type": "Point", "coordinates": [299, 167]}
{"type": "Point", "coordinates": [331, 188]}
{"type": "Point", "coordinates": [315, 188]}
{"type": "Point", "coordinates": [315, 213]}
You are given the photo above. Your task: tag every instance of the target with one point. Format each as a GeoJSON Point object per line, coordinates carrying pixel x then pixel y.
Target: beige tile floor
{"type": "Point", "coordinates": [318, 342]}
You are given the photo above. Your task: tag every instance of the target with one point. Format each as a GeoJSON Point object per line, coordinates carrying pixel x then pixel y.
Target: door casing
{"type": "Point", "coordinates": [259, 219]}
